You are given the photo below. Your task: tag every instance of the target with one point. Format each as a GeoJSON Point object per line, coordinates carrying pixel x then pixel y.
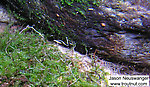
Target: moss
{"type": "Point", "coordinates": [28, 60]}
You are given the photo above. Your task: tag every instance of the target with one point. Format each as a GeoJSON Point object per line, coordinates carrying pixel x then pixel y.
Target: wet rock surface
{"type": "Point", "coordinates": [132, 15]}
{"type": "Point", "coordinates": [118, 30]}
{"type": "Point", "coordinates": [5, 19]}
{"type": "Point", "coordinates": [122, 48]}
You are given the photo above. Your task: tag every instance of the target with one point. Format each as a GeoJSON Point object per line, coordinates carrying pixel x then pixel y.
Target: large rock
{"type": "Point", "coordinates": [117, 30]}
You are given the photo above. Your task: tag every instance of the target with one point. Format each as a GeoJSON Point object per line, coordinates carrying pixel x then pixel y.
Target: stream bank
{"type": "Point", "coordinates": [118, 34]}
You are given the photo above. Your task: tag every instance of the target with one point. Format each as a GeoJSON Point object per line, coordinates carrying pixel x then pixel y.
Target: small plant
{"type": "Point", "coordinates": [28, 60]}
{"type": "Point", "coordinates": [80, 6]}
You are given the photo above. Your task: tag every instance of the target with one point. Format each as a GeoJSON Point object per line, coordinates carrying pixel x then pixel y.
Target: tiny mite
{"type": "Point", "coordinates": [103, 24]}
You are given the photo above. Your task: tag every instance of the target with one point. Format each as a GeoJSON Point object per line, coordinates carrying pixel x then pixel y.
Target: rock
{"type": "Point", "coordinates": [2, 27]}
{"type": "Point", "coordinates": [132, 15]}
{"type": "Point", "coordinates": [5, 19]}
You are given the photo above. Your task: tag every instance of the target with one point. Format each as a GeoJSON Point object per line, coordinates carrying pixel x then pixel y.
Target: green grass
{"type": "Point", "coordinates": [26, 59]}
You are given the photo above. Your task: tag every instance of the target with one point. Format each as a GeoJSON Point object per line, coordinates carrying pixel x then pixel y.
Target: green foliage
{"type": "Point", "coordinates": [80, 6]}
{"type": "Point", "coordinates": [25, 58]}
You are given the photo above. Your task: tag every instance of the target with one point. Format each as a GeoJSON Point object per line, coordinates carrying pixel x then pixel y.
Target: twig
{"type": "Point", "coordinates": [39, 62]}
{"type": "Point", "coordinates": [62, 42]}
{"type": "Point", "coordinates": [73, 76]}
{"type": "Point", "coordinates": [7, 48]}
{"type": "Point", "coordinates": [94, 55]}
{"type": "Point", "coordinates": [29, 27]}
{"type": "Point", "coordinates": [74, 82]}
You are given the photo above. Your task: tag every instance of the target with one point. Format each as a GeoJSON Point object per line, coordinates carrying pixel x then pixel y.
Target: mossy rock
{"type": "Point", "coordinates": [92, 24]}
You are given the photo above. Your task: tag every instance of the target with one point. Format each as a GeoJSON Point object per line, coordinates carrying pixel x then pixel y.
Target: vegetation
{"type": "Point", "coordinates": [80, 6]}
{"type": "Point", "coordinates": [27, 59]}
